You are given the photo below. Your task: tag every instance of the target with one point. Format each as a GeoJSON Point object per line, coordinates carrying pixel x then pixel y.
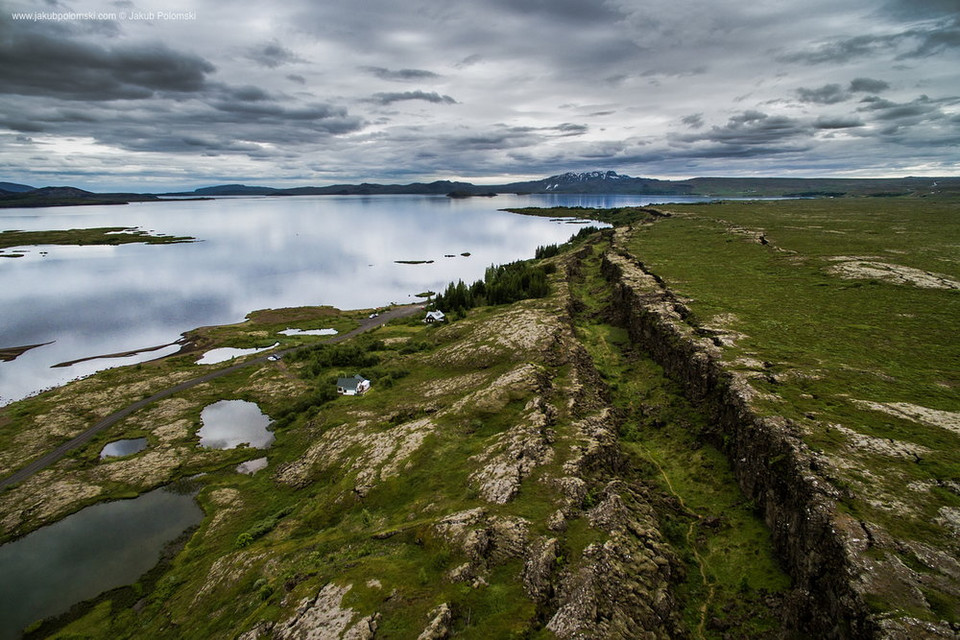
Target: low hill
{"type": "Point", "coordinates": [235, 190]}
{"type": "Point", "coordinates": [13, 187]}
{"type": "Point", "coordinates": [67, 196]}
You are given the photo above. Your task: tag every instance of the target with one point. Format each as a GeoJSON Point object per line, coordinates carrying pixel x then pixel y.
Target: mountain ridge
{"type": "Point", "coordinates": [606, 182]}
{"type": "Point", "coordinates": [611, 182]}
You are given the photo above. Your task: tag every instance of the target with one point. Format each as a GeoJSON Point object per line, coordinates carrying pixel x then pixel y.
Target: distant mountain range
{"type": "Point", "coordinates": [611, 182]}
{"type": "Point", "coordinates": [593, 182]}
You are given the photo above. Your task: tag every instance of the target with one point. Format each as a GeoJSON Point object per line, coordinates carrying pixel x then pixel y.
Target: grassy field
{"type": "Point", "coordinates": [846, 315]}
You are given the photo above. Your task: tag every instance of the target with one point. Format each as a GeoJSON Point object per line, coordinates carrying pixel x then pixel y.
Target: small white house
{"type": "Point", "coordinates": [435, 316]}
{"type": "Point", "coordinates": [353, 386]}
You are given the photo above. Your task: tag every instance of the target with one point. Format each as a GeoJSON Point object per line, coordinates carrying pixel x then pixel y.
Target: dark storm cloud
{"type": "Point", "coordinates": [944, 37]}
{"type": "Point", "coordinates": [911, 9]}
{"type": "Point", "coordinates": [272, 55]}
{"type": "Point", "coordinates": [565, 11]}
{"type": "Point", "coordinates": [840, 122]}
{"type": "Point", "coordinates": [920, 122]}
{"type": "Point", "coordinates": [569, 129]}
{"type": "Point", "coordinates": [401, 75]}
{"type": "Point", "coordinates": [317, 114]}
{"type": "Point", "coordinates": [246, 94]}
{"type": "Point", "coordinates": [244, 120]}
{"type": "Point", "coordinates": [751, 128]}
{"type": "Point", "coordinates": [882, 109]}
{"type": "Point", "coordinates": [834, 93]}
{"type": "Point", "coordinates": [500, 137]}
{"type": "Point", "coordinates": [827, 94]}
{"type": "Point", "coordinates": [868, 85]}
{"type": "Point", "coordinates": [694, 121]}
{"type": "Point", "coordinates": [842, 51]}
{"type": "Point", "coordinates": [37, 59]}
{"type": "Point", "coordinates": [295, 77]}
{"type": "Point", "coordinates": [918, 42]}
{"type": "Point", "coordinates": [389, 97]}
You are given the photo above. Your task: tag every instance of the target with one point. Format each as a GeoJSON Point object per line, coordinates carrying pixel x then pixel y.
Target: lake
{"type": "Point", "coordinates": [252, 253]}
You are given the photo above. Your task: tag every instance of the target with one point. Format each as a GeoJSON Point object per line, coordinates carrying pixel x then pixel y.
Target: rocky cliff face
{"type": "Point", "coordinates": [823, 548]}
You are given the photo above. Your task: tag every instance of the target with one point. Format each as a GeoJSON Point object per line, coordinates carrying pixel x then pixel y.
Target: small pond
{"type": "Point", "coordinates": [216, 356]}
{"type": "Point", "coordinates": [123, 447]}
{"type": "Point", "coordinates": [230, 423]}
{"type": "Point", "coordinates": [308, 332]}
{"type": "Point", "coordinates": [250, 467]}
{"type": "Point", "coordinates": [98, 548]}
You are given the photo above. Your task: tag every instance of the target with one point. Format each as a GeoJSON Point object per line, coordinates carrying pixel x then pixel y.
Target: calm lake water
{"type": "Point", "coordinates": [253, 253]}
{"type": "Point", "coordinates": [99, 548]}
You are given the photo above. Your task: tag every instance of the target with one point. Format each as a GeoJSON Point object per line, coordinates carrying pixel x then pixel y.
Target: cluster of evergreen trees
{"type": "Point", "coordinates": [501, 284]}
{"type": "Point", "coordinates": [355, 354]}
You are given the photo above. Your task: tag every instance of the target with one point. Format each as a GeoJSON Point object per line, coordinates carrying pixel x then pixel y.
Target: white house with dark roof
{"type": "Point", "coordinates": [353, 386]}
{"type": "Point", "coordinates": [434, 316]}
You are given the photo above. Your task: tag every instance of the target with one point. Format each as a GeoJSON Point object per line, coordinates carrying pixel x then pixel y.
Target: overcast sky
{"type": "Point", "coordinates": [315, 93]}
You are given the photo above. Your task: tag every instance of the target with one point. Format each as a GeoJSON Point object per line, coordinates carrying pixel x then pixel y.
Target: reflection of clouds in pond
{"type": "Point", "coordinates": [215, 356]}
{"type": "Point", "coordinates": [308, 332]}
{"type": "Point", "coordinates": [119, 448]}
{"type": "Point", "coordinates": [230, 423]}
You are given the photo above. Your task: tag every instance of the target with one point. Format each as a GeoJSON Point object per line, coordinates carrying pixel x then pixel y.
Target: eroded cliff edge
{"type": "Point", "coordinates": [832, 557]}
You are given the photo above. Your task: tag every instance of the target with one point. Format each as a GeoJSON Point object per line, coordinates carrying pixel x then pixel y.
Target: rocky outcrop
{"type": "Point", "coordinates": [374, 457]}
{"type": "Point", "coordinates": [324, 618]}
{"type": "Point", "coordinates": [484, 539]}
{"type": "Point", "coordinates": [514, 453]}
{"type": "Point", "coordinates": [821, 547]}
{"type": "Point", "coordinates": [439, 627]}
{"type": "Point", "coordinates": [620, 588]}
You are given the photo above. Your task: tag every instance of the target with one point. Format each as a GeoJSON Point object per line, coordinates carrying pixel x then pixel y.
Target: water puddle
{"type": "Point", "coordinates": [308, 332]}
{"type": "Point", "coordinates": [98, 548]}
{"type": "Point", "coordinates": [250, 467]}
{"type": "Point", "coordinates": [230, 423]}
{"type": "Point", "coordinates": [216, 356]}
{"type": "Point", "coordinates": [126, 447]}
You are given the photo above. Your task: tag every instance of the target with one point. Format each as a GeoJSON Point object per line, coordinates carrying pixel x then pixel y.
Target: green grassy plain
{"type": "Point", "coordinates": [867, 363]}
{"type": "Point", "coordinates": [80, 237]}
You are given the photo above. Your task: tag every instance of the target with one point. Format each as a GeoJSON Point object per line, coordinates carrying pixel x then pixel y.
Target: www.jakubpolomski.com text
{"type": "Point", "coordinates": [71, 16]}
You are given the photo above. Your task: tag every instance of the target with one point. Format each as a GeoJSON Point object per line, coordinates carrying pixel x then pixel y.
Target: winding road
{"type": "Point", "coordinates": [46, 460]}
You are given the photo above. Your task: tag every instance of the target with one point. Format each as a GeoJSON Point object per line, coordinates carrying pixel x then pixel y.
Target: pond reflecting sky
{"type": "Point", "coordinates": [252, 253]}
{"type": "Point", "coordinates": [98, 548]}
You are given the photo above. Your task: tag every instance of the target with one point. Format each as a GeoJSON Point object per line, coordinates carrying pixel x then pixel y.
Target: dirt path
{"type": "Point", "coordinates": [46, 460]}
